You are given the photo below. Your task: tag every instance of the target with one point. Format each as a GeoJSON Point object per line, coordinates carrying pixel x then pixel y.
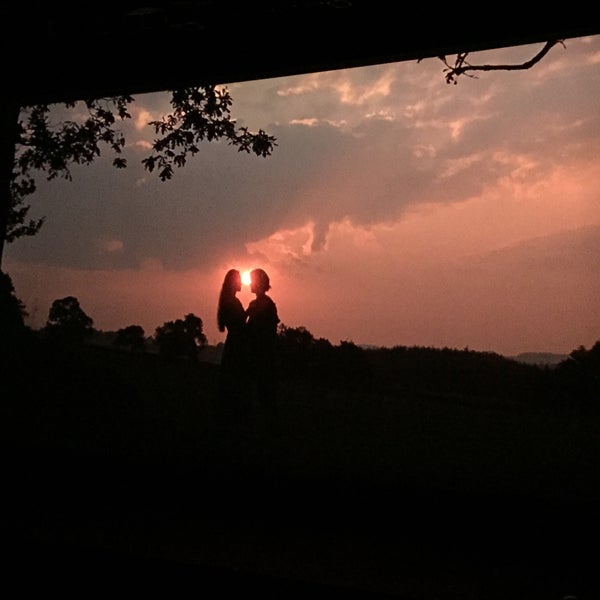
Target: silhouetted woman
{"type": "Point", "coordinates": [231, 317]}
{"type": "Point", "coordinates": [262, 337]}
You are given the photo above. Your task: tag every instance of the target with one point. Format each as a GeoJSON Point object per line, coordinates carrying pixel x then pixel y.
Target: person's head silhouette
{"type": "Point", "coordinates": [259, 281]}
{"type": "Point", "coordinates": [232, 282]}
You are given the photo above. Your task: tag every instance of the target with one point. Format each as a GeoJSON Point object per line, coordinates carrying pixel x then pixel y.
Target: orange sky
{"type": "Point", "coordinates": [396, 210]}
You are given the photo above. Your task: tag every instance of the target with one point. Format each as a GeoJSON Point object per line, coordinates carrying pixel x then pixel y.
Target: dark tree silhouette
{"type": "Point", "coordinates": [12, 310]}
{"type": "Point", "coordinates": [303, 357]}
{"type": "Point", "coordinates": [579, 377]}
{"type": "Point", "coordinates": [39, 145]}
{"type": "Point", "coordinates": [461, 65]}
{"type": "Point", "coordinates": [67, 322]}
{"type": "Point", "coordinates": [182, 337]}
{"type": "Point", "coordinates": [452, 373]}
{"type": "Point", "coordinates": [300, 354]}
{"type": "Point", "coordinates": [294, 347]}
{"type": "Point", "coordinates": [131, 337]}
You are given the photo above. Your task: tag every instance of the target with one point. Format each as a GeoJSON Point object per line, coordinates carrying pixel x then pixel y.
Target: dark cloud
{"type": "Point", "coordinates": [366, 169]}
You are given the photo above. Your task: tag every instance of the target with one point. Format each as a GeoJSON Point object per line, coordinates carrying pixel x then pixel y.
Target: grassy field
{"type": "Point", "coordinates": [102, 404]}
{"type": "Point", "coordinates": [363, 488]}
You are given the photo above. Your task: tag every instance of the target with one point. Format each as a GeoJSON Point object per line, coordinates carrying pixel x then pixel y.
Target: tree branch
{"type": "Point", "coordinates": [462, 67]}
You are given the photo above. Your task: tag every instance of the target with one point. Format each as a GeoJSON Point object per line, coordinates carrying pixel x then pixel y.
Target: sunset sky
{"type": "Point", "coordinates": [395, 210]}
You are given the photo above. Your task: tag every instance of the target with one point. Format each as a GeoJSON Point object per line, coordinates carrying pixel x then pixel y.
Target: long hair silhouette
{"type": "Point", "coordinates": [232, 284]}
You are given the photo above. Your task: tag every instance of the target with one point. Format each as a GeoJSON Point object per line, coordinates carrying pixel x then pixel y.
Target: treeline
{"type": "Point", "coordinates": [443, 373]}
{"type": "Point", "coordinates": [401, 371]}
{"type": "Point", "coordinates": [69, 324]}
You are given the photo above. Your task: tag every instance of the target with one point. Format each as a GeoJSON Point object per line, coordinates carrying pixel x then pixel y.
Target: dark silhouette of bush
{"type": "Point", "coordinates": [578, 377]}
{"type": "Point", "coordinates": [67, 322]}
{"type": "Point", "coordinates": [466, 373]}
{"type": "Point", "coordinates": [131, 337]}
{"type": "Point", "coordinates": [349, 367]}
{"type": "Point", "coordinates": [302, 357]}
{"type": "Point", "coordinates": [181, 338]}
{"type": "Point", "coordinates": [296, 349]}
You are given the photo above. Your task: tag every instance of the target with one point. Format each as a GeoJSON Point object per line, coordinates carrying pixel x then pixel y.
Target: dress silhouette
{"type": "Point", "coordinates": [231, 317]}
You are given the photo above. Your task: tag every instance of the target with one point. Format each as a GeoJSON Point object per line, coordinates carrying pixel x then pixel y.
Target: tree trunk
{"type": "Point", "coordinates": [9, 118]}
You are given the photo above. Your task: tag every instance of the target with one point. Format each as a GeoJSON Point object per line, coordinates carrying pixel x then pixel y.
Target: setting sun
{"type": "Point", "coordinates": [246, 277]}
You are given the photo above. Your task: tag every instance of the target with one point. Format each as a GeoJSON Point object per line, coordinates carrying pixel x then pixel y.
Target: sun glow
{"type": "Point", "coordinates": [246, 277]}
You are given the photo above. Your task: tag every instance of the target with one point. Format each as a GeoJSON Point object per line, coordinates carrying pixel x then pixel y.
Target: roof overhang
{"type": "Point", "coordinates": [59, 51]}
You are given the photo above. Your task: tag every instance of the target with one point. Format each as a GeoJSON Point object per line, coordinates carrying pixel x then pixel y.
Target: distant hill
{"type": "Point", "coordinates": [540, 358]}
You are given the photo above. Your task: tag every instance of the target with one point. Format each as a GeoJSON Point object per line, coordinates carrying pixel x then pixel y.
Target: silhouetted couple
{"type": "Point", "coordinates": [249, 360]}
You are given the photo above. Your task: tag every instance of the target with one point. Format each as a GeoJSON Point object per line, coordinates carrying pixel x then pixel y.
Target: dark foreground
{"type": "Point", "coordinates": [116, 479]}
{"type": "Point", "coordinates": [86, 526]}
